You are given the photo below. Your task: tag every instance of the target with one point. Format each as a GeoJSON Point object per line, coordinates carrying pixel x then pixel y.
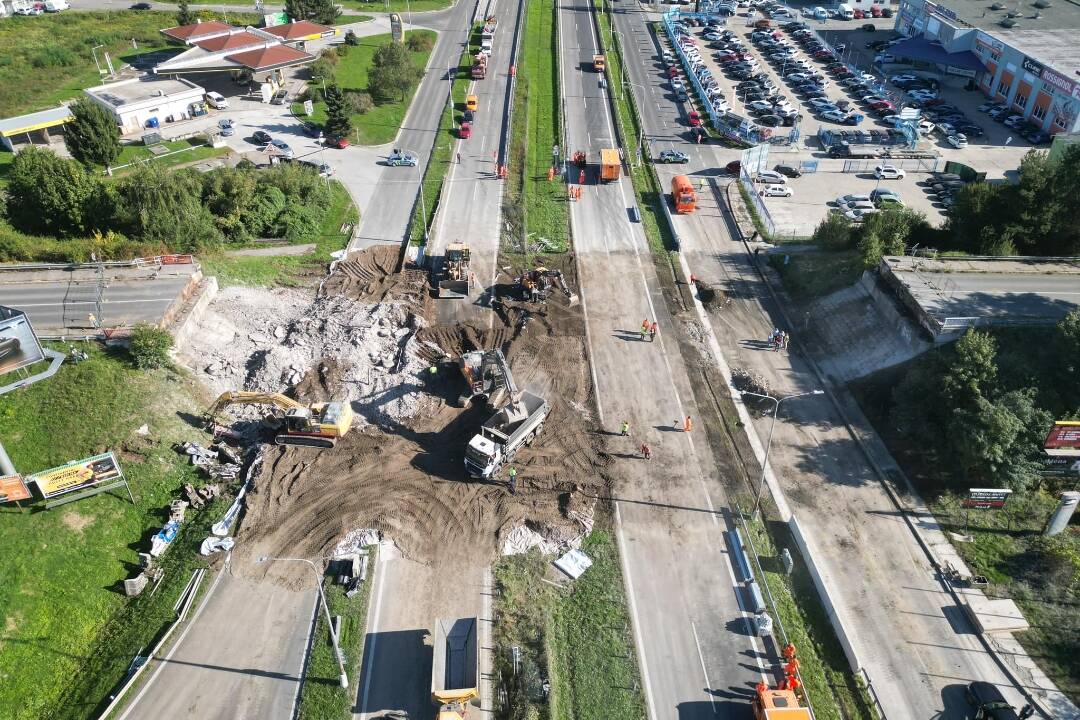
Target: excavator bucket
{"type": "Point", "coordinates": [454, 288]}
{"type": "Point", "coordinates": [315, 441]}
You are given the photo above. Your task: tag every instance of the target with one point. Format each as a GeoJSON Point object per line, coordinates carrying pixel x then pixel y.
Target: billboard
{"type": "Point", "coordinates": [77, 475]}
{"type": "Point", "coordinates": [396, 33]}
{"type": "Point", "coordinates": [987, 498]}
{"type": "Point", "coordinates": [12, 488]}
{"type": "Point", "coordinates": [19, 346]}
{"type": "Point", "coordinates": [1063, 440]}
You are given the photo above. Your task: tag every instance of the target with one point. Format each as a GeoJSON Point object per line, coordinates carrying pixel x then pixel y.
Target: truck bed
{"type": "Point", "coordinates": [502, 427]}
{"type": "Point", "coordinates": [455, 667]}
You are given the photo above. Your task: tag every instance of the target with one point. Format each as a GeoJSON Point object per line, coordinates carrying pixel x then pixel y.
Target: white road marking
{"type": "Point", "coordinates": [634, 612]}
{"type": "Point", "coordinates": [701, 657]}
{"type": "Point", "coordinates": [92, 302]}
{"type": "Point", "coordinates": [373, 628]}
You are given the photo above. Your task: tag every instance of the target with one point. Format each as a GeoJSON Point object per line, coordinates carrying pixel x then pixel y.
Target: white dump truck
{"type": "Point", "coordinates": [516, 424]}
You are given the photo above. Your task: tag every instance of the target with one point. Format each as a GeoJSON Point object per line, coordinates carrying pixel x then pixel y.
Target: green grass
{"type": "Point", "coordinates": [398, 6]}
{"type": "Point", "coordinates": [537, 127]}
{"type": "Point", "coordinates": [323, 698]}
{"type": "Point", "coordinates": [578, 637]}
{"type": "Point", "coordinates": [48, 59]}
{"type": "Point", "coordinates": [69, 632]}
{"type": "Point", "coordinates": [285, 270]}
{"type": "Point", "coordinates": [830, 685]}
{"type": "Point", "coordinates": [442, 149]}
{"type": "Point", "coordinates": [808, 275]}
{"type": "Point", "coordinates": [181, 152]}
{"type": "Point", "coordinates": [380, 124]}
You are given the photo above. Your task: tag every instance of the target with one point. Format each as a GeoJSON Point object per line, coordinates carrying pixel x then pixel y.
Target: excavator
{"type": "Point", "coordinates": [318, 425]}
{"type": "Point", "coordinates": [537, 284]}
{"type": "Point", "coordinates": [488, 377]}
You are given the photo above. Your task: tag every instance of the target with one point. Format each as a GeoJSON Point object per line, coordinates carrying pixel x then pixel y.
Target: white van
{"type": "Point", "coordinates": [215, 100]}
{"type": "Point", "coordinates": [56, 5]}
{"type": "Point", "coordinates": [845, 12]}
{"type": "Point", "coordinates": [820, 13]}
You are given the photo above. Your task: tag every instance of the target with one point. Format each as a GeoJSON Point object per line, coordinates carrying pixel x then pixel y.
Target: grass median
{"type": "Point", "coordinates": [322, 697]}
{"type": "Point", "coordinates": [575, 636]}
{"type": "Point", "coordinates": [70, 632]}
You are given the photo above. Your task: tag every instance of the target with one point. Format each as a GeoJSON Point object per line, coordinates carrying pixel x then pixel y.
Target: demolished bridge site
{"type": "Point", "coordinates": [367, 337]}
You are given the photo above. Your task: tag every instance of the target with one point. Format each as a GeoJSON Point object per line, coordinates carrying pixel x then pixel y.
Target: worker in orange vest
{"type": "Point", "coordinates": [761, 687]}
{"type": "Point", "coordinates": [792, 668]}
{"type": "Point", "coordinates": [788, 652]}
{"type": "Point", "coordinates": [551, 174]}
{"type": "Point", "coordinates": [794, 683]}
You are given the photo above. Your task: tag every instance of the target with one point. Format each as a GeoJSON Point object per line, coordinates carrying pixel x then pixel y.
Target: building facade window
{"type": "Point", "coordinates": [995, 56]}
{"type": "Point", "coordinates": [1039, 112]}
{"type": "Point", "coordinates": [1048, 89]}
{"type": "Point", "coordinates": [1060, 122]}
{"type": "Point", "coordinates": [1021, 100]}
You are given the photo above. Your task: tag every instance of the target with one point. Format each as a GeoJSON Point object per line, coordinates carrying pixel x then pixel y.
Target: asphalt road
{"type": "Point", "coordinates": [697, 653]}
{"type": "Point", "coordinates": [386, 217]}
{"type": "Point", "coordinates": [916, 646]}
{"type": "Point", "coordinates": [407, 599]}
{"type": "Point", "coordinates": [471, 208]}
{"type": "Point", "coordinates": [216, 672]}
{"type": "Point", "coordinates": [62, 301]}
{"type": "Point", "coordinates": [999, 296]}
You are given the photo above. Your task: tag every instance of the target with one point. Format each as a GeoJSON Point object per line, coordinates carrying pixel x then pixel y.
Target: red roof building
{"type": "Point", "coordinates": [270, 58]}
{"type": "Point", "coordinates": [233, 41]}
{"type": "Point", "coordinates": [192, 33]}
{"type": "Point", "coordinates": [297, 31]}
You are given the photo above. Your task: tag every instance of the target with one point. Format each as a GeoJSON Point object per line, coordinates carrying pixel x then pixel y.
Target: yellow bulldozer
{"type": "Point", "coordinates": [454, 281]}
{"type": "Point", "coordinates": [318, 425]}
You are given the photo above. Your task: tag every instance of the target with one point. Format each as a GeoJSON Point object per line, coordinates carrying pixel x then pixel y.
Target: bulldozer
{"type": "Point", "coordinates": [454, 278]}
{"type": "Point", "coordinates": [318, 425]}
{"type": "Point", "coordinates": [537, 284]}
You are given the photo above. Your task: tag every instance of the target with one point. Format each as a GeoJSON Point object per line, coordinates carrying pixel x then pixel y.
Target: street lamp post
{"type": "Point", "coordinates": [641, 130]}
{"type": "Point", "coordinates": [768, 444]}
{"type": "Point", "coordinates": [326, 608]}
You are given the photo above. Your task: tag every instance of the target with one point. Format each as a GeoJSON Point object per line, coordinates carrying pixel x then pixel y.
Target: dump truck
{"type": "Point", "coordinates": [773, 704]}
{"type": "Point", "coordinates": [319, 425]}
{"type": "Point", "coordinates": [598, 63]}
{"type": "Point", "coordinates": [515, 425]}
{"type": "Point", "coordinates": [479, 66]}
{"type": "Point", "coordinates": [487, 35]}
{"type": "Point", "coordinates": [455, 667]}
{"type": "Point", "coordinates": [610, 165]}
{"type": "Point", "coordinates": [454, 276]}
{"type": "Point", "coordinates": [683, 197]}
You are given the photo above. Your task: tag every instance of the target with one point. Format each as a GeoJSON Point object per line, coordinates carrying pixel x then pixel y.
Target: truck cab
{"type": "Point", "coordinates": [472, 103]}
{"type": "Point", "coordinates": [599, 63]}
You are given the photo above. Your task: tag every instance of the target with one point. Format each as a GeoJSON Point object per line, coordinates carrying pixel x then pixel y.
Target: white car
{"type": "Point", "coordinates": [926, 127]}
{"type": "Point", "coordinates": [885, 58]}
{"type": "Point", "coordinates": [959, 141]}
{"type": "Point", "coordinates": [760, 106]}
{"type": "Point", "coordinates": [818, 103]}
{"type": "Point", "coordinates": [217, 101]}
{"type": "Point", "coordinates": [777, 191]}
{"type": "Point", "coordinates": [677, 84]}
{"type": "Point", "coordinates": [858, 215]}
{"type": "Point", "coordinates": [889, 172]}
{"type": "Point", "coordinates": [772, 177]}
{"type": "Point", "coordinates": [835, 116]}
{"type": "Point", "coordinates": [903, 78]}
{"type": "Point", "coordinates": [845, 200]}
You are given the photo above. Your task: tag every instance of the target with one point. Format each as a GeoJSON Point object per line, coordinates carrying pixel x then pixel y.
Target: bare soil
{"type": "Point", "coordinates": [406, 477]}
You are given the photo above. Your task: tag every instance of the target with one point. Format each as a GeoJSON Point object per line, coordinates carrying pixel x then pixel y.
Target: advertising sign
{"type": "Point", "coordinates": [274, 19]}
{"type": "Point", "coordinates": [1063, 440]}
{"type": "Point", "coordinates": [77, 475]}
{"type": "Point", "coordinates": [990, 43]}
{"type": "Point", "coordinates": [987, 498]}
{"type": "Point", "coordinates": [13, 489]}
{"type": "Point", "coordinates": [396, 33]}
{"type": "Point", "coordinates": [1035, 68]}
{"type": "Point", "coordinates": [1061, 83]}
{"type": "Point", "coordinates": [19, 346]}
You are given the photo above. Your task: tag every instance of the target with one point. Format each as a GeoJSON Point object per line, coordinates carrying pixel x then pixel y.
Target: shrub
{"type": "Point", "coordinates": [419, 43]}
{"type": "Point", "coordinates": [835, 232]}
{"type": "Point", "coordinates": [359, 102]}
{"type": "Point", "coordinates": [299, 223]}
{"type": "Point", "coordinates": [150, 346]}
{"type": "Point", "coordinates": [352, 38]}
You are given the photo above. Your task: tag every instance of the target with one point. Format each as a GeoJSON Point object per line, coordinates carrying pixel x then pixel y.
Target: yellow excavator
{"type": "Point", "coordinates": [317, 425]}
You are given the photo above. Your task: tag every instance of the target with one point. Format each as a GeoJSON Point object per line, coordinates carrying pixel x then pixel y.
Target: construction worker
{"type": "Point", "coordinates": [789, 652]}
{"type": "Point", "coordinates": [511, 482]}
{"type": "Point", "coordinates": [581, 178]}
{"type": "Point", "coordinates": [625, 428]}
{"type": "Point", "coordinates": [793, 683]}
{"type": "Point", "coordinates": [652, 332]}
{"type": "Point", "coordinates": [646, 451]}
{"type": "Point", "coordinates": [687, 425]}
{"type": "Point", "coordinates": [459, 158]}
{"type": "Point", "coordinates": [761, 687]}
{"type": "Point", "coordinates": [792, 668]}
{"type": "Point", "coordinates": [693, 279]}
{"type": "Point", "coordinates": [783, 684]}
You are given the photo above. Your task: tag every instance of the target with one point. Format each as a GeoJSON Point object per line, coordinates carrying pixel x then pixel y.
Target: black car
{"type": "Point", "coordinates": [788, 171]}
{"type": "Point", "coordinates": [261, 137]}
{"type": "Point", "coordinates": [988, 701]}
{"type": "Point", "coordinates": [698, 134]}
{"type": "Point", "coordinates": [770, 120]}
{"type": "Point", "coordinates": [141, 6]}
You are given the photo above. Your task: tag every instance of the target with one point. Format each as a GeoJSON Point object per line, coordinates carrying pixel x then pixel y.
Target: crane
{"type": "Point", "coordinates": [317, 425]}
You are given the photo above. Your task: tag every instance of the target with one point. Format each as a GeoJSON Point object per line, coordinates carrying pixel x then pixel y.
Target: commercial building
{"type": "Point", "coordinates": [258, 53]}
{"type": "Point", "coordinates": [1024, 56]}
{"type": "Point", "coordinates": [149, 101]}
{"type": "Point", "coordinates": [33, 129]}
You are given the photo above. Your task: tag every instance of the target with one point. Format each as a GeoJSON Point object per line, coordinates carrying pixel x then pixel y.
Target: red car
{"type": "Point", "coordinates": [875, 10]}
{"type": "Point", "coordinates": [337, 142]}
{"type": "Point", "coordinates": [824, 55]}
{"type": "Point", "coordinates": [695, 118]}
{"type": "Point", "coordinates": [859, 14]}
{"type": "Point", "coordinates": [672, 71]}
{"type": "Point", "coordinates": [465, 131]}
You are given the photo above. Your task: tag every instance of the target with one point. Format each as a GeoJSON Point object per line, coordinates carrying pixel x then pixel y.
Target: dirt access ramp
{"type": "Point", "coordinates": [404, 473]}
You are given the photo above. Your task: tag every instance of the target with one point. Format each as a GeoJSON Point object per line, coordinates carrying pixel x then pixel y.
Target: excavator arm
{"type": "Point", "coordinates": [244, 397]}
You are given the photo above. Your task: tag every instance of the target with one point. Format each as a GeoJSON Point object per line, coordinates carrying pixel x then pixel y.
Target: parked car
{"type": "Point", "coordinates": [788, 171]}
{"type": "Point", "coordinates": [889, 172]}
{"type": "Point", "coordinates": [399, 158]}
{"type": "Point", "coordinates": [846, 200]}
{"type": "Point", "coordinates": [672, 156]}
{"type": "Point", "coordinates": [770, 176]}
{"type": "Point", "coordinates": [226, 127]}
{"type": "Point", "coordinates": [694, 118]}
{"type": "Point", "coordinates": [988, 701]}
{"type": "Point", "coordinates": [958, 141]}
{"type": "Point", "coordinates": [261, 137]}
{"type": "Point", "coordinates": [217, 101]}
{"type": "Point", "coordinates": [733, 167]}
{"type": "Point", "coordinates": [281, 147]}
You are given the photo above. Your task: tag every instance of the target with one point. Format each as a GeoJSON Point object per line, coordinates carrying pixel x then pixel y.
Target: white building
{"type": "Point", "coordinates": [148, 101]}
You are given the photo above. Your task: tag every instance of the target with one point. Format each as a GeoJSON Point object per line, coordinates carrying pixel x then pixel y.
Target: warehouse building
{"type": "Point", "coordinates": [1024, 56]}
{"type": "Point", "coordinates": [149, 101]}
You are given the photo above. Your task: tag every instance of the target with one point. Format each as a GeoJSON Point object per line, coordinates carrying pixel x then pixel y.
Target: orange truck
{"type": "Point", "coordinates": [610, 165]}
{"type": "Point", "coordinates": [683, 196]}
{"type": "Point", "coordinates": [479, 66]}
{"type": "Point", "coordinates": [774, 704]}
{"type": "Point", "coordinates": [599, 63]}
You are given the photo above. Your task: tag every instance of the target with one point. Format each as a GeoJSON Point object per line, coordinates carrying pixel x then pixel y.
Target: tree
{"type": "Point", "coordinates": [183, 15]}
{"type": "Point", "coordinates": [51, 195]}
{"type": "Point", "coordinates": [337, 113]}
{"type": "Point", "coordinates": [835, 232]}
{"type": "Point", "coordinates": [973, 369]}
{"type": "Point", "coordinates": [92, 137]}
{"type": "Point", "coordinates": [324, 12]}
{"type": "Point", "coordinates": [887, 233]}
{"type": "Point", "coordinates": [150, 346]}
{"type": "Point", "coordinates": [392, 73]}
{"type": "Point", "coordinates": [322, 70]}
{"type": "Point", "coordinates": [227, 193]}
{"type": "Point", "coordinates": [156, 204]}
{"type": "Point", "coordinates": [994, 441]}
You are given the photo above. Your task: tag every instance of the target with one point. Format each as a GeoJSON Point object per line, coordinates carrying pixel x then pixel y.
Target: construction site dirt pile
{"type": "Point", "coordinates": [406, 478]}
{"type": "Point", "coordinates": [267, 340]}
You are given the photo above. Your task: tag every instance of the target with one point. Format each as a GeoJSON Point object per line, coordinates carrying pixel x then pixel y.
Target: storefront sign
{"type": "Point", "coordinates": [1060, 82]}
{"type": "Point", "coordinates": [13, 489]}
{"type": "Point", "coordinates": [1033, 67]}
{"type": "Point", "coordinates": [936, 9]}
{"type": "Point", "coordinates": [990, 43]}
{"type": "Point", "coordinates": [77, 475]}
{"type": "Point", "coordinates": [987, 499]}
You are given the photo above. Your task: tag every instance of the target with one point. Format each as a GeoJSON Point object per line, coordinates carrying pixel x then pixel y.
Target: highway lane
{"type": "Point", "coordinates": [471, 211]}
{"type": "Point", "coordinates": [695, 645]}
{"type": "Point", "coordinates": [216, 672]}
{"type": "Point", "coordinates": [916, 648]}
{"type": "Point", "coordinates": [995, 295]}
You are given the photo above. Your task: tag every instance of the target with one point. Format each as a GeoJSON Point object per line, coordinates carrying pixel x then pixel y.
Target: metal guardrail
{"type": "Point", "coordinates": [134, 262]}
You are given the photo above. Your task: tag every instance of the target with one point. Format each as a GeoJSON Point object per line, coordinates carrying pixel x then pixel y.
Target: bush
{"type": "Point", "coordinates": [359, 102]}
{"type": "Point", "coordinates": [54, 56]}
{"type": "Point", "coordinates": [835, 232]}
{"type": "Point", "coordinates": [150, 346]}
{"type": "Point", "coordinates": [352, 38]}
{"type": "Point", "coordinates": [419, 43]}
{"type": "Point", "coordinates": [300, 223]}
